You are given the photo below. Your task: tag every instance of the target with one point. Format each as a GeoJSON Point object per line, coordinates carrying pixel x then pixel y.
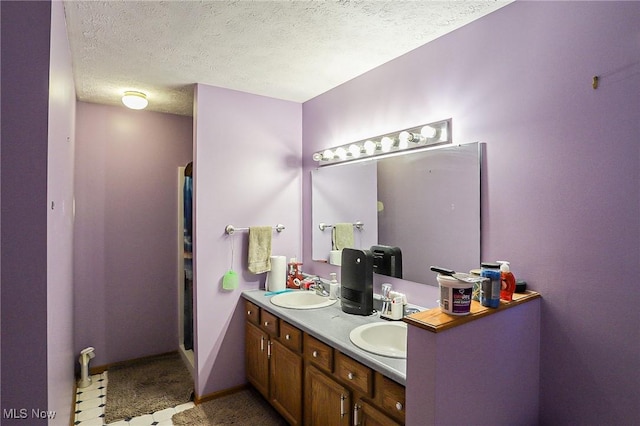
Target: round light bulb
{"type": "Point", "coordinates": [404, 138]}
{"type": "Point", "coordinates": [369, 147]}
{"type": "Point", "coordinates": [355, 150]}
{"type": "Point", "coordinates": [327, 154]}
{"type": "Point", "coordinates": [135, 100]}
{"type": "Point", "coordinates": [428, 132]}
{"type": "Point", "coordinates": [386, 143]}
{"type": "Point", "coordinates": [341, 153]}
{"type": "Point", "coordinates": [317, 156]}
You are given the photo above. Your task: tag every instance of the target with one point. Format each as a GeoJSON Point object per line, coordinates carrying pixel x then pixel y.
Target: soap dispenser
{"type": "Point", "coordinates": [334, 287]}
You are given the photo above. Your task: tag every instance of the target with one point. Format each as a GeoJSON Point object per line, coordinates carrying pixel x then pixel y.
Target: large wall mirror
{"type": "Point", "coordinates": [425, 203]}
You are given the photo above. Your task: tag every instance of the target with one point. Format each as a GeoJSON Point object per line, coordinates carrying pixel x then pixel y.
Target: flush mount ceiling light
{"type": "Point", "coordinates": [422, 137]}
{"type": "Point", "coordinates": [135, 100]}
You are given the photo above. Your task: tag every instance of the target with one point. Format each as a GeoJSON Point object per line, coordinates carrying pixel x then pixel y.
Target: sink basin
{"type": "Point", "coordinates": [301, 300]}
{"type": "Point", "coordinates": [382, 338]}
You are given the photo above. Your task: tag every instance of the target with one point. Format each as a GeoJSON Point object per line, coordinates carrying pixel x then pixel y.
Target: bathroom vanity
{"type": "Point", "coordinates": [482, 368]}
{"type": "Point", "coordinates": [303, 363]}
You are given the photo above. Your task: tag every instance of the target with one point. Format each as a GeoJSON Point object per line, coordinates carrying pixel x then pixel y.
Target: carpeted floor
{"type": "Point", "coordinates": [246, 407]}
{"type": "Point", "coordinates": [146, 386]}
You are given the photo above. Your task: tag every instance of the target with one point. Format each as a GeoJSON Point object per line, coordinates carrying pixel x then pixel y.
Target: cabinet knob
{"type": "Point", "coordinates": [315, 354]}
{"type": "Point", "coordinates": [248, 312]}
{"type": "Point", "coordinates": [266, 323]}
{"type": "Point", "coordinates": [399, 406]}
{"type": "Point", "coordinates": [287, 337]}
{"type": "Point", "coordinates": [350, 376]}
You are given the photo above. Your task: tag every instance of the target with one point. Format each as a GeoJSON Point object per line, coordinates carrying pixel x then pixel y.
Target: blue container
{"type": "Point", "coordinates": [490, 291]}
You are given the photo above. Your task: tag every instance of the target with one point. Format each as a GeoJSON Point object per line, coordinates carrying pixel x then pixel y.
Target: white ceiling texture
{"type": "Point", "coordinates": [291, 50]}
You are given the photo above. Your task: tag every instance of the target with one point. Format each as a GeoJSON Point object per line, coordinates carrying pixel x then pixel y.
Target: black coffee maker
{"type": "Point", "coordinates": [356, 274]}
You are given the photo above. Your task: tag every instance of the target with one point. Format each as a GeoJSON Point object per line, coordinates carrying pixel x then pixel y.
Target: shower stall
{"type": "Point", "coordinates": [185, 264]}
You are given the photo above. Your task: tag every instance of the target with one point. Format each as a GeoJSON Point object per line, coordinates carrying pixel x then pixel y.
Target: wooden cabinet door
{"type": "Point", "coordinates": [367, 415]}
{"type": "Point", "coordinates": [256, 361]}
{"type": "Point", "coordinates": [286, 382]}
{"type": "Point", "coordinates": [327, 403]}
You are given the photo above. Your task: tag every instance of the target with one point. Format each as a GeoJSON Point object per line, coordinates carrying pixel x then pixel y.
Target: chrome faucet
{"type": "Point", "coordinates": [318, 287]}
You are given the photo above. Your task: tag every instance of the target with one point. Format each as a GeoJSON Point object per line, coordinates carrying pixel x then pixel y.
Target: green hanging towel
{"type": "Point", "coordinates": [259, 249]}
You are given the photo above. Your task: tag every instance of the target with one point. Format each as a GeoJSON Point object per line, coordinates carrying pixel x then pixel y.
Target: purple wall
{"type": "Point", "coordinates": [447, 382]}
{"type": "Point", "coordinates": [25, 34]}
{"type": "Point", "coordinates": [561, 200]}
{"type": "Point", "coordinates": [62, 107]}
{"type": "Point", "coordinates": [125, 272]}
{"type": "Point", "coordinates": [246, 173]}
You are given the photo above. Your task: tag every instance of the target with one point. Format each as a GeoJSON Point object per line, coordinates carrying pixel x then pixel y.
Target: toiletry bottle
{"type": "Point", "coordinates": [334, 287]}
{"type": "Point", "coordinates": [490, 291]}
{"type": "Point", "coordinates": [508, 281]}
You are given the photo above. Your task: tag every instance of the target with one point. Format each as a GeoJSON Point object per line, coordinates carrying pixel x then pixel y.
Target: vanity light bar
{"type": "Point", "coordinates": [426, 135]}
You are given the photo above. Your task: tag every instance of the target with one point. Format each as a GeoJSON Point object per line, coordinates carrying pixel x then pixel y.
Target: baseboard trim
{"type": "Point", "coordinates": [102, 368]}
{"type": "Point", "coordinates": [220, 394]}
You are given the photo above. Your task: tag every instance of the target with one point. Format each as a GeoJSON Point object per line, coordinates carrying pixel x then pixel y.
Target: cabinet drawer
{"type": "Point", "coordinates": [290, 336]}
{"type": "Point", "coordinates": [354, 374]}
{"type": "Point", "coordinates": [367, 414]}
{"type": "Point", "coordinates": [391, 397]}
{"type": "Point", "coordinates": [253, 312]}
{"type": "Point", "coordinates": [269, 322]}
{"type": "Point", "coordinates": [318, 353]}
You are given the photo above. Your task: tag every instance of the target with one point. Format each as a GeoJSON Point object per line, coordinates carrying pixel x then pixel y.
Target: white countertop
{"type": "Point", "coordinates": [332, 326]}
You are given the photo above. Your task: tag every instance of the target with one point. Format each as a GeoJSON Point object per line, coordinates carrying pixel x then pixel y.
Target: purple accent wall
{"type": "Point", "coordinates": [25, 36]}
{"type": "Point", "coordinates": [62, 108]}
{"type": "Point", "coordinates": [561, 199]}
{"type": "Point", "coordinates": [125, 272]}
{"type": "Point", "coordinates": [246, 173]}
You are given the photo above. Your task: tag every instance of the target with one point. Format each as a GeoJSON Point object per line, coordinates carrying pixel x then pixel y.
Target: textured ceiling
{"type": "Point", "coordinates": [292, 50]}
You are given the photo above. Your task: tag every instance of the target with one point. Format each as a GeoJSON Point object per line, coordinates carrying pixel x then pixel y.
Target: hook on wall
{"type": "Point", "coordinates": [595, 82]}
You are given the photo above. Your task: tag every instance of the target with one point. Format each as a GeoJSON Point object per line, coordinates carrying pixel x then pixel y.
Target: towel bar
{"type": "Point", "coordinates": [358, 225]}
{"type": "Point", "coordinates": [230, 229]}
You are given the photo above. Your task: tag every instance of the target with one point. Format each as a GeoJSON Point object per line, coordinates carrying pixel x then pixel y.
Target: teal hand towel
{"type": "Point", "coordinates": [259, 249]}
{"type": "Point", "coordinates": [342, 236]}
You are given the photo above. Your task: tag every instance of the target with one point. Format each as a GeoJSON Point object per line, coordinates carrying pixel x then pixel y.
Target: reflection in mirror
{"type": "Point", "coordinates": [343, 194]}
{"type": "Point", "coordinates": [425, 203]}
